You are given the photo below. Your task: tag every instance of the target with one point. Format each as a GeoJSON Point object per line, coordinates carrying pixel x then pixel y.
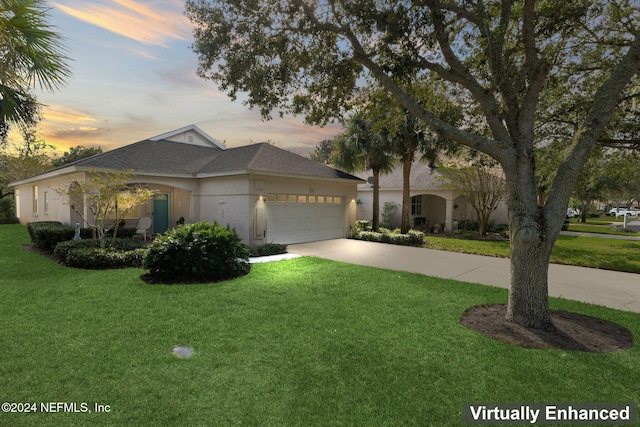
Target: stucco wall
{"type": "Point", "coordinates": [56, 209]}
{"type": "Point", "coordinates": [231, 200]}
{"type": "Point", "coordinates": [434, 206]}
{"type": "Point", "coordinates": [234, 200]}
{"type": "Point", "coordinates": [226, 200]}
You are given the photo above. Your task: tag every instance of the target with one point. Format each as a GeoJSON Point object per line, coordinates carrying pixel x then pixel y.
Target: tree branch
{"type": "Point", "coordinates": [604, 103]}
{"type": "Point", "coordinates": [536, 71]}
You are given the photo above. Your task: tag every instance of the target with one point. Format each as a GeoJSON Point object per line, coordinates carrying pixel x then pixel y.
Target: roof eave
{"type": "Point", "coordinates": [74, 169]}
{"type": "Point", "coordinates": [47, 175]}
{"type": "Point", "coordinates": [278, 174]}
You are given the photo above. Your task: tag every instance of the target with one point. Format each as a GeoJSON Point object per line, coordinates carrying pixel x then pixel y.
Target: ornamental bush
{"type": "Point", "coordinates": [267, 249]}
{"type": "Point", "coordinates": [413, 238]}
{"type": "Point", "coordinates": [124, 253]}
{"type": "Point", "coordinates": [47, 234]}
{"type": "Point", "coordinates": [96, 258]}
{"type": "Point", "coordinates": [363, 225]}
{"type": "Point", "coordinates": [200, 252]}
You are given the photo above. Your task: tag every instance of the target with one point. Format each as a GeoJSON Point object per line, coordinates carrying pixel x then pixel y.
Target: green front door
{"type": "Point", "coordinates": [161, 213]}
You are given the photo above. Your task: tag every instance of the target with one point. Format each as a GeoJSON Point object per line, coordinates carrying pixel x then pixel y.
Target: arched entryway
{"type": "Point", "coordinates": [76, 199]}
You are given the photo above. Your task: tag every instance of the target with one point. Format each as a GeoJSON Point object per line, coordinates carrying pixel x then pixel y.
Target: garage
{"type": "Point", "coordinates": [299, 219]}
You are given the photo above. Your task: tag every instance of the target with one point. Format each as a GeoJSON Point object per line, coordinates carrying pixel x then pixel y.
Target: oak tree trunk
{"type": "Point", "coordinates": [531, 241]}
{"type": "Point", "coordinates": [528, 292]}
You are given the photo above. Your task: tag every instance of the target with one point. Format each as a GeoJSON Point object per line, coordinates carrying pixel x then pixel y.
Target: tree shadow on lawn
{"type": "Point", "coordinates": [576, 332]}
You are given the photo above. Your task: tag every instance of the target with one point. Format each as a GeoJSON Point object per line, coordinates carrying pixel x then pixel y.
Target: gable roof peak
{"type": "Point", "coordinates": [190, 134]}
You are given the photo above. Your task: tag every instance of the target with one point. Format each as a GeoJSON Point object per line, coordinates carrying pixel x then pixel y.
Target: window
{"type": "Point", "coordinates": [292, 198]}
{"type": "Point", "coordinates": [302, 199]}
{"type": "Point", "coordinates": [329, 199]}
{"type": "Point", "coordinates": [46, 202]}
{"type": "Point", "coordinates": [320, 199]}
{"type": "Point", "coordinates": [337, 200]}
{"type": "Point", "coordinates": [35, 199]}
{"type": "Point", "coordinates": [123, 203]}
{"type": "Point", "coordinates": [282, 198]}
{"type": "Point", "coordinates": [312, 199]}
{"type": "Point", "coordinates": [416, 205]}
{"type": "Point", "coordinates": [271, 198]}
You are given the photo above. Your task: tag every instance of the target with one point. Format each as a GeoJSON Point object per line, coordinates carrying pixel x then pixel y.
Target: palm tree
{"type": "Point", "coordinates": [358, 149]}
{"type": "Point", "coordinates": [408, 140]}
{"type": "Point", "coordinates": [31, 54]}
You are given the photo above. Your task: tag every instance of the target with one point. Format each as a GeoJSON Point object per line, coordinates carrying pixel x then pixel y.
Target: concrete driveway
{"type": "Point", "coordinates": [608, 288]}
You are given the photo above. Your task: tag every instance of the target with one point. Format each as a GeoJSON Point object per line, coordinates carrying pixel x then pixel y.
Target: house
{"type": "Point", "coordinates": [431, 204]}
{"type": "Point", "coordinates": [266, 193]}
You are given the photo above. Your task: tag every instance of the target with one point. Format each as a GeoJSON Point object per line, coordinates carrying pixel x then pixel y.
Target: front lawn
{"type": "Point", "coordinates": [304, 342]}
{"type": "Point", "coordinates": [608, 254]}
{"type": "Point", "coordinates": [600, 229]}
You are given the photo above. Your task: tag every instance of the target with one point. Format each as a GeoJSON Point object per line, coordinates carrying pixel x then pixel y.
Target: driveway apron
{"type": "Point", "coordinates": [602, 287]}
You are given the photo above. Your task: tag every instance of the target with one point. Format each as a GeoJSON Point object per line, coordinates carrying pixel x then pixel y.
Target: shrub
{"type": "Point", "coordinates": [413, 238]}
{"type": "Point", "coordinates": [96, 258]}
{"type": "Point", "coordinates": [388, 213]}
{"type": "Point", "coordinates": [7, 208]}
{"type": "Point", "coordinates": [199, 252]}
{"type": "Point", "coordinates": [124, 233]}
{"type": "Point", "coordinates": [468, 225]}
{"type": "Point", "coordinates": [63, 249]}
{"type": "Point", "coordinates": [10, 220]}
{"type": "Point", "coordinates": [363, 225]}
{"type": "Point", "coordinates": [47, 234]}
{"type": "Point", "coordinates": [33, 226]}
{"type": "Point", "coordinates": [267, 249]}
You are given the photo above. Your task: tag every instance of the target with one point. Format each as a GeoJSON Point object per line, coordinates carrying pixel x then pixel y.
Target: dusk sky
{"type": "Point", "coordinates": [134, 76]}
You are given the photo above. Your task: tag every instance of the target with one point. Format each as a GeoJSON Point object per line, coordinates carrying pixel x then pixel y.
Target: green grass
{"type": "Point", "coordinates": [600, 229]}
{"type": "Point", "coordinates": [601, 220]}
{"type": "Point", "coordinates": [304, 342]}
{"type": "Point", "coordinates": [609, 254]}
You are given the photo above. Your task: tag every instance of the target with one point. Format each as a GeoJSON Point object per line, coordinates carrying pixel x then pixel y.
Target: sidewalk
{"type": "Point", "coordinates": [608, 288]}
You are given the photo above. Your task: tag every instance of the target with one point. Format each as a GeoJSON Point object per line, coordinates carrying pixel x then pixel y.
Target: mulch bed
{"type": "Point", "coordinates": [576, 332]}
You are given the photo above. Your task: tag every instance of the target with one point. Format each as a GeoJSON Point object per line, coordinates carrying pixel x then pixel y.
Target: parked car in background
{"type": "Point", "coordinates": [623, 211]}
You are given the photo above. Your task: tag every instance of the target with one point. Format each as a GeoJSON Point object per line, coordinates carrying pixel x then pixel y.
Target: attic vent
{"type": "Point", "coordinates": [189, 137]}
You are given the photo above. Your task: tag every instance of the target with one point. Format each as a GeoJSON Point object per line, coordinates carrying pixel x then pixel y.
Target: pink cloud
{"type": "Point", "coordinates": [149, 24]}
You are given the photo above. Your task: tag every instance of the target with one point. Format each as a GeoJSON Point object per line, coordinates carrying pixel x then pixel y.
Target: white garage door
{"type": "Point", "coordinates": [298, 223]}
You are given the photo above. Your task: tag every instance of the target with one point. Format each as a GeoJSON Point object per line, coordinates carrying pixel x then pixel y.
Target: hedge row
{"type": "Point", "coordinates": [267, 249]}
{"type": "Point", "coordinates": [413, 238]}
{"type": "Point", "coordinates": [47, 234]}
{"type": "Point", "coordinates": [74, 253]}
{"type": "Point", "coordinates": [9, 220]}
{"type": "Point", "coordinates": [103, 258]}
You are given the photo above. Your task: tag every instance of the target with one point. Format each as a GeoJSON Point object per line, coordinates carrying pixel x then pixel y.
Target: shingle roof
{"type": "Point", "coordinates": [154, 156]}
{"type": "Point", "coordinates": [265, 157]}
{"type": "Point", "coordinates": [168, 157]}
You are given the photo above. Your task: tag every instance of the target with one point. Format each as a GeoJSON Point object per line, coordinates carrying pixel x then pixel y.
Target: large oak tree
{"type": "Point", "coordinates": [501, 58]}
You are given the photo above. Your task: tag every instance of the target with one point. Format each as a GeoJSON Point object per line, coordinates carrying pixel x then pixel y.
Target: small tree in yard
{"type": "Point", "coordinates": [109, 198]}
{"type": "Point", "coordinates": [482, 187]}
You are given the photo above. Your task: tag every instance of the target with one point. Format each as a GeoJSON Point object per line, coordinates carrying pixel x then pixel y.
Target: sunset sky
{"type": "Point", "coordinates": [134, 76]}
